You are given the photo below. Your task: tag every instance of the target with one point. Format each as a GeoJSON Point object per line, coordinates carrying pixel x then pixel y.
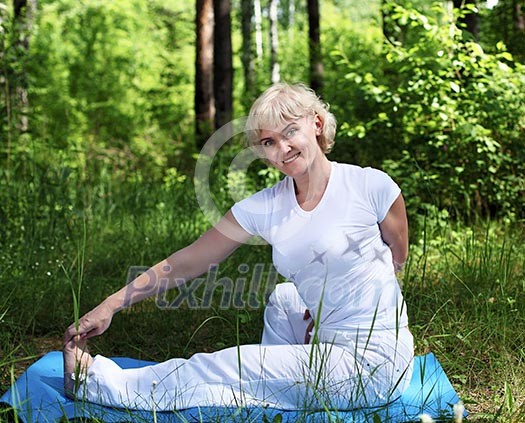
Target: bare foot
{"type": "Point", "coordinates": [76, 362]}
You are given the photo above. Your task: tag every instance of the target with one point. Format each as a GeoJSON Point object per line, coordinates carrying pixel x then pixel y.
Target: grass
{"type": "Point", "coordinates": [464, 284]}
{"type": "Point", "coordinates": [465, 293]}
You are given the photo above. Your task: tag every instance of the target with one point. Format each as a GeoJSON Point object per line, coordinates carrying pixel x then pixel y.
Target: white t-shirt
{"type": "Point", "coordinates": [334, 254]}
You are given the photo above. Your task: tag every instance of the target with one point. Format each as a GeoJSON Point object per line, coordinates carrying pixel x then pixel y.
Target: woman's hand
{"type": "Point", "coordinates": [92, 324]}
{"type": "Point", "coordinates": [310, 326]}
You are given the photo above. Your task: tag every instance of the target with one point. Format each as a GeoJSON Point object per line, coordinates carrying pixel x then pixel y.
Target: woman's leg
{"type": "Point", "coordinates": [282, 376]}
{"type": "Point", "coordinates": [282, 373]}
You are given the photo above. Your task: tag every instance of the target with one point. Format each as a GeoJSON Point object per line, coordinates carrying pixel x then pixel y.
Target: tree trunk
{"type": "Point", "coordinates": [258, 28]}
{"type": "Point", "coordinates": [316, 62]}
{"type": "Point", "coordinates": [222, 63]}
{"type": "Point", "coordinates": [247, 56]}
{"type": "Point", "coordinates": [204, 100]}
{"type": "Point", "coordinates": [516, 42]}
{"type": "Point", "coordinates": [505, 25]}
{"type": "Point", "coordinates": [6, 89]}
{"type": "Point", "coordinates": [291, 19]}
{"type": "Point", "coordinates": [23, 14]}
{"type": "Point", "coordinates": [519, 20]}
{"type": "Point", "coordinates": [274, 42]}
{"type": "Point", "coordinates": [386, 18]}
{"type": "Point", "coordinates": [470, 20]}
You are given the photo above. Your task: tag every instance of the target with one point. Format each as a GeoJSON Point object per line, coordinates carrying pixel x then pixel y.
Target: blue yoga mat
{"type": "Point", "coordinates": [38, 396]}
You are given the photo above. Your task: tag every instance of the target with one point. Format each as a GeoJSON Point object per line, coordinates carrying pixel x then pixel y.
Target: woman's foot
{"type": "Point", "coordinates": [76, 362]}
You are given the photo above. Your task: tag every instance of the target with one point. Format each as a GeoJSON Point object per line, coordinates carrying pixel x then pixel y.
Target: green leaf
{"type": "Point", "coordinates": [471, 7]}
{"type": "Point", "coordinates": [500, 46]}
{"type": "Point", "coordinates": [503, 67]}
{"type": "Point", "coordinates": [477, 50]}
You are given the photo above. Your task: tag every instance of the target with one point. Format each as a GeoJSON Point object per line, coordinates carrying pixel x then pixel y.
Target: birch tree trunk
{"type": "Point", "coordinates": [23, 15]}
{"type": "Point", "coordinates": [6, 88]}
{"type": "Point", "coordinates": [247, 53]}
{"type": "Point", "coordinates": [258, 28]}
{"type": "Point", "coordinates": [291, 19]}
{"type": "Point", "coordinates": [274, 42]}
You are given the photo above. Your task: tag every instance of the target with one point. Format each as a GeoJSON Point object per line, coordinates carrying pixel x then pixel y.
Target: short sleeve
{"type": "Point", "coordinates": [382, 192]}
{"type": "Point", "coordinates": [252, 212]}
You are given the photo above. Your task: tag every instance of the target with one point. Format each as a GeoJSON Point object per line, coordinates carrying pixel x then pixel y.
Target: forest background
{"type": "Point", "coordinates": [105, 107]}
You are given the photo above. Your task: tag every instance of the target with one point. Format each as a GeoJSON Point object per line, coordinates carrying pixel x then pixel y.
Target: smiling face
{"type": "Point", "coordinates": [294, 148]}
{"type": "Point", "coordinates": [283, 104]}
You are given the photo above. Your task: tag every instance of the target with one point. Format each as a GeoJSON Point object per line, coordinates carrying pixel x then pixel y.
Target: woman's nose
{"type": "Point", "coordinates": [285, 145]}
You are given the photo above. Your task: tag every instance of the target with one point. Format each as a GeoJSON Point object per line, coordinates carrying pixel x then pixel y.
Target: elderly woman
{"type": "Point", "coordinates": [335, 336]}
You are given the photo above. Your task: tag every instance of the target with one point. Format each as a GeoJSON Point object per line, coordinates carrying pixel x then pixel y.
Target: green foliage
{"type": "Point", "coordinates": [13, 83]}
{"type": "Point", "coordinates": [505, 23]}
{"type": "Point", "coordinates": [348, 42]}
{"type": "Point", "coordinates": [444, 118]}
{"type": "Point", "coordinates": [110, 143]}
{"type": "Point", "coordinates": [111, 83]}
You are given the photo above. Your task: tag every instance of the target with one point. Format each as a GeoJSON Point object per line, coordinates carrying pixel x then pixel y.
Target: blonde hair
{"type": "Point", "coordinates": [282, 103]}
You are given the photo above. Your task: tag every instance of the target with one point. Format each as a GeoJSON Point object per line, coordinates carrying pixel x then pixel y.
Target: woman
{"type": "Point", "coordinates": [335, 336]}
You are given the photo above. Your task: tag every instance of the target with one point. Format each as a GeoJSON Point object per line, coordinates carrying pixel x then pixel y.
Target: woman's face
{"type": "Point", "coordinates": [294, 147]}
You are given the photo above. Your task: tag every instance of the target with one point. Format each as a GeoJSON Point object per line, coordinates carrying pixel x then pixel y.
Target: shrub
{"type": "Point", "coordinates": [444, 118]}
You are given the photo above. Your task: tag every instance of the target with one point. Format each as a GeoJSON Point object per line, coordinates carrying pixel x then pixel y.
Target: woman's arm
{"type": "Point", "coordinates": [188, 263]}
{"type": "Point", "coordinates": [394, 230]}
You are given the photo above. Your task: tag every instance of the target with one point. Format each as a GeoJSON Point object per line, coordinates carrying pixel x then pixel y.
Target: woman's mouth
{"type": "Point", "coordinates": [291, 159]}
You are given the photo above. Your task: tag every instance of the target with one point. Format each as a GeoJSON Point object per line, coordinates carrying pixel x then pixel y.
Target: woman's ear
{"type": "Point", "coordinates": [319, 123]}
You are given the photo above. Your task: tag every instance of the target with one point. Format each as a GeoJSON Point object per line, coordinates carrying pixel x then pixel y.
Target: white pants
{"type": "Point", "coordinates": [343, 371]}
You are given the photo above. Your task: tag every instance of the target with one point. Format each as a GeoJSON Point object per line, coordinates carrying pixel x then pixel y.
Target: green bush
{"type": "Point", "coordinates": [111, 84]}
{"type": "Point", "coordinates": [444, 118]}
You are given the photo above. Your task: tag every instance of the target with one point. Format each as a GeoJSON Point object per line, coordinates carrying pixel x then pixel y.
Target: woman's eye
{"type": "Point", "coordinates": [267, 143]}
{"type": "Point", "coordinates": [291, 132]}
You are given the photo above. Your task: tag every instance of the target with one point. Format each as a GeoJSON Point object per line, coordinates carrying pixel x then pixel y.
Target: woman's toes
{"type": "Point", "coordinates": [76, 363]}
